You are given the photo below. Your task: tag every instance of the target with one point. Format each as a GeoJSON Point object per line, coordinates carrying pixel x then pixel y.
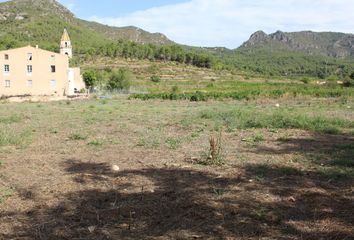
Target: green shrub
{"type": "Point", "coordinates": [120, 80]}
{"type": "Point", "coordinates": [155, 79]}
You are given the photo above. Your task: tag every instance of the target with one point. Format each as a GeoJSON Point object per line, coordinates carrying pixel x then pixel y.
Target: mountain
{"type": "Point", "coordinates": [296, 54]}
{"type": "Point", "coordinates": [42, 21]}
{"type": "Point", "coordinates": [336, 45]}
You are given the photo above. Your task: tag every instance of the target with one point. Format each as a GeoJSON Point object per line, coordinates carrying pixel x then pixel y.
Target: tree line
{"type": "Point", "coordinates": [172, 52]}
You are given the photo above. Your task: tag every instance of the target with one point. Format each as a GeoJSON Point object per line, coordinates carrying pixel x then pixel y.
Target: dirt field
{"type": "Point", "coordinates": [59, 176]}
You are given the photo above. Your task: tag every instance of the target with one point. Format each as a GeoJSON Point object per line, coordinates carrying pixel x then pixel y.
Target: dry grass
{"type": "Point", "coordinates": [294, 184]}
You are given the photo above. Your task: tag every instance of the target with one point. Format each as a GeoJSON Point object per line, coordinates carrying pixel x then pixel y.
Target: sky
{"type": "Point", "coordinates": [212, 23]}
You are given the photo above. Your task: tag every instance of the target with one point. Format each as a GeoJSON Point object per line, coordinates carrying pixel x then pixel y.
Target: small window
{"type": "Point", "coordinates": [53, 83]}
{"type": "Point", "coordinates": [6, 56]}
{"type": "Point", "coordinates": [6, 68]}
{"type": "Point", "coordinates": [29, 83]}
{"type": "Point", "coordinates": [29, 69]}
{"type": "Point", "coordinates": [29, 56]}
{"type": "Point", "coordinates": [7, 83]}
{"type": "Point", "coordinates": [52, 68]}
{"type": "Point", "coordinates": [66, 44]}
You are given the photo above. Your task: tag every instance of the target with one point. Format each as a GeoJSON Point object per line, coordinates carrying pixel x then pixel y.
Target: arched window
{"type": "Point", "coordinates": [66, 44]}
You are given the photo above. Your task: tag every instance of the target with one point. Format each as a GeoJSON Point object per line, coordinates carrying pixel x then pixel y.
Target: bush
{"type": "Point", "coordinates": [155, 78]}
{"type": "Point", "coordinates": [305, 80]}
{"type": "Point", "coordinates": [90, 77]}
{"type": "Point", "coordinates": [120, 80]}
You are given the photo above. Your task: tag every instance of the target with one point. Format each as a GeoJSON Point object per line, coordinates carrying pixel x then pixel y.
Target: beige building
{"type": "Point", "coordinates": [33, 71]}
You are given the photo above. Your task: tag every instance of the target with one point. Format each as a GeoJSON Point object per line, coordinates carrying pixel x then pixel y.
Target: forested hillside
{"type": "Point", "coordinates": [303, 54]}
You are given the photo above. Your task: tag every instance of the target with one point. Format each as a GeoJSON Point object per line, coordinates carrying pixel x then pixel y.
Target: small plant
{"type": "Point", "coordinates": [261, 214]}
{"type": "Point", "coordinates": [96, 143]}
{"type": "Point", "coordinates": [77, 137]}
{"type": "Point", "coordinates": [218, 192]}
{"type": "Point", "coordinates": [68, 102]}
{"type": "Point", "coordinates": [215, 153]}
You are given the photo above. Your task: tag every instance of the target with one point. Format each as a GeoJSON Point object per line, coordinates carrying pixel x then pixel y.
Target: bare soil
{"type": "Point", "coordinates": [58, 187]}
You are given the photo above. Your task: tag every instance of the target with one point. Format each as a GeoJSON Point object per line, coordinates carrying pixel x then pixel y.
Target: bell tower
{"type": "Point", "coordinates": [65, 45]}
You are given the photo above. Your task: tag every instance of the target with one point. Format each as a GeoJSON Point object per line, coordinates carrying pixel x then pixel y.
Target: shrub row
{"type": "Point", "coordinates": [246, 94]}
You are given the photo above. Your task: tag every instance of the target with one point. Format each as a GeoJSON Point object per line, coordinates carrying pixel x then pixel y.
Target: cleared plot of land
{"type": "Point", "coordinates": [287, 173]}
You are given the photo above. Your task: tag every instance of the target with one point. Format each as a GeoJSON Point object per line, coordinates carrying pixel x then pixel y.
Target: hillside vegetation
{"type": "Point", "coordinates": [303, 54]}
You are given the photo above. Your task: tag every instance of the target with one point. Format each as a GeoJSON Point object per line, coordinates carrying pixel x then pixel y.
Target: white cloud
{"type": "Point", "coordinates": [230, 22]}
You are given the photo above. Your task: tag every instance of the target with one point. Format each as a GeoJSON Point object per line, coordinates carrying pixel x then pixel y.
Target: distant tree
{"type": "Point", "coordinates": [120, 80]}
{"type": "Point", "coordinates": [90, 78]}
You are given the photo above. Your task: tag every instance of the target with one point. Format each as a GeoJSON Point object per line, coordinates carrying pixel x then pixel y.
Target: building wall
{"type": "Point", "coordinates": [42, 76]}
{"type": "Point", "coordinates": [79, 81]}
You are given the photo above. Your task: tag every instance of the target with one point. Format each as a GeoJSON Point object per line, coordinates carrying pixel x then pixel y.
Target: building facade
{"type": "Point", "coordinates": [34, 71]}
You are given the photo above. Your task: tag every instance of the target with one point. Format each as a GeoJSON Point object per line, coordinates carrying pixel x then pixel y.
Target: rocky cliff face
{"type": "Point", "coordinates": [338, 45]}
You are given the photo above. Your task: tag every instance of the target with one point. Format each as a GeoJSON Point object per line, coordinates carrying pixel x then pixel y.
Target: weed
{"type": "Point", "coordinates": [4, 195]}
{"type": "Point", "coordinates": [67, 102]}
{"type": "Point", "coordinates": [77, 137]}
{"type": "Point", "coordinates": [96, 143]}
{"type": "Point", "coordinates": [173, 143]}
{"type": "Point", "coordinates": [258, 138]}
{"type": "Point", "coordinates": [215, 154]}
{"type": "Point", "coordinates": [261, 214]}
{"type": "Point", "coordinates": [218, 192]}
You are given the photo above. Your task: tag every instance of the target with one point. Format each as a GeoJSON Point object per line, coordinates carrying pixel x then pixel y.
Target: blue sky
{"type": "Point", "coordinates": [104, 8]}
{"type": "Point", "coordinates": [218, 22]}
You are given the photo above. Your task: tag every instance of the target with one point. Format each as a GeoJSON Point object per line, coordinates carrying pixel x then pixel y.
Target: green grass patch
{"type": "Point", "coordinates": [11, 119]}
{"type": "Point", "coordinates": [11, 136]}
{"type": "Point", "coordinates": [96, 142]}
{"type": "Point", "coordinates": [278, 119]}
